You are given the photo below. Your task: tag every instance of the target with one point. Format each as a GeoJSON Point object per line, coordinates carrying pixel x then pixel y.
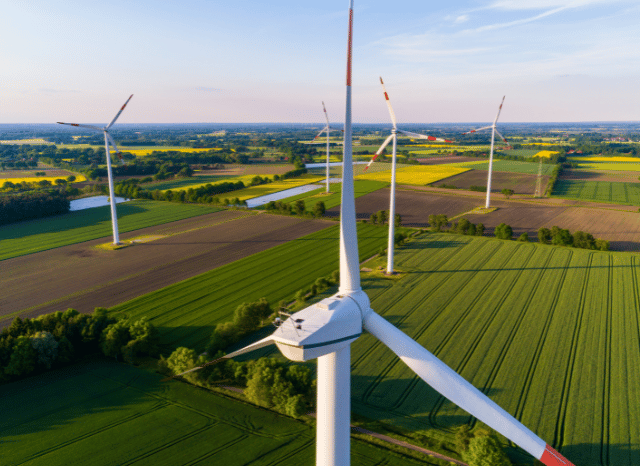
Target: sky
{"type": "Point", "coordinates": [244, 61]}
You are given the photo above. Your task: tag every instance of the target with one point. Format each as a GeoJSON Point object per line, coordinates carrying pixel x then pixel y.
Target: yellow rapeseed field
{"type": "Point", "coordinates": [35, 179]}
{"type": "Point", "coordinates": [148, 151]}
{"type": "Point", "coordinates": [418, 175]}
{"type": "Point", "coordinates": [604, 159]}
{"type": "Point", "coordinates": [545, 153]}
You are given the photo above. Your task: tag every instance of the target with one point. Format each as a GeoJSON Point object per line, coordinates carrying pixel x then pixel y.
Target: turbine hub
{"type": "Point", "coordinates": [322, 328]}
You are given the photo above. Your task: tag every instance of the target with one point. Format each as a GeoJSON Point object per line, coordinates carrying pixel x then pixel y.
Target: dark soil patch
{"type": "Point", "coordinates": [588, 175]}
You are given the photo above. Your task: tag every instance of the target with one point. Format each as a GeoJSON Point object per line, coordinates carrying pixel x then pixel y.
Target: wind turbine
{"type": "Point", "coordinates": [325, 331]}
{"type": "Point", "coordinates": [326, 129]}
{"type": "Point", "coordinates": [108, 140]}
{"type": "Point", "coordinates": [392, 207]}
{"type": "Point", "coordinates": [494, 130]}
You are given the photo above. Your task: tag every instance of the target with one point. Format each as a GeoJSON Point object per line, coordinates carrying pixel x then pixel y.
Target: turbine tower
{"type": "Point", "coordinates": [108, 140]}
{"type": "Point", "coordinates": [392, 195]}
{"type": "Point", "coordinates": [325, 331]}
{"type": "Point", "coordinates": [328, 130]}
{"type": "Point", "coordinates": [494, 130]}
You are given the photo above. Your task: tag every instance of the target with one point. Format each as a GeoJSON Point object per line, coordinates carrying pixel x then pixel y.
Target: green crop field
{"type": "Point", "coordinates": [18, 239]}
{"type": "Point", "coordinates": [507, 166]}
{"type": "Point", "coordinates": [598, 191]}
{"type": "Point", "coordinates": [361, 187]}
{"type": "Point", "coordinates": [108, 413]}
{"type": "Point", "coordinates": [549, 333]}
{"type": "Point", "coordinates": [187, 312]}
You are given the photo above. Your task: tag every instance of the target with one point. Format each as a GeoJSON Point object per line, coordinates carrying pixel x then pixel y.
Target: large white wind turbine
{"type": "Point", "coordinates": [494, 130]}
{"type": "Point", "coordinates": [392, 195]}
{"type": "Point", "coordinates": [108, 140]}
{"type": "Point", "coordinates": [326, 330]}
{"type": "Point", "coordinates": [328, 130]}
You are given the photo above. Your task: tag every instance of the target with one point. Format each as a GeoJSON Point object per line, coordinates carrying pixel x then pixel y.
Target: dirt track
{"type": "Point", "coordinates": [86, 276]}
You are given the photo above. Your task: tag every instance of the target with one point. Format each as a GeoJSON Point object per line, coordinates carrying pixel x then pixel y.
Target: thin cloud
{"type": "Point", "coordinates": [461, 19]}
{"type": "Point", "coordinates": [544, 4]}
{"type": "Point", "coordinates": [492, 27]}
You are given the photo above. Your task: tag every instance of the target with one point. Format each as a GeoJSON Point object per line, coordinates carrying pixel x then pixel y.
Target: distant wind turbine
{"type": "Point", "coordinates": [392, 201]}
{"type": "Point", "coordinates": [108, 140]}
{"type": "Point", "coordinates": [328, 130]}
{"type": "Point", "coordinates": [325, 331]}
{"type": "Point", "coordinates": [494, 130]}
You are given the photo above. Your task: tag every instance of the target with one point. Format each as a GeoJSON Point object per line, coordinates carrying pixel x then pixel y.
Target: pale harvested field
{"type": "Point", "coordinates": [83, 276]}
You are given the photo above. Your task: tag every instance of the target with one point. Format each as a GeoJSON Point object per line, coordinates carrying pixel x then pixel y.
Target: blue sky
{"type": "Point", "coordinates": [255, 61]}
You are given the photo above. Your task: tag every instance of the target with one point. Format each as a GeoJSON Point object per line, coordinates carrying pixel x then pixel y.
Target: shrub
{"type": "Point", "coordinates": [479, 229]}
{"type": "Point", "coordinates": [503, 231]}
{"type": "Point", "coordinates": [524, 237]}
{"type": "Point", "coordinates": [544, 235]}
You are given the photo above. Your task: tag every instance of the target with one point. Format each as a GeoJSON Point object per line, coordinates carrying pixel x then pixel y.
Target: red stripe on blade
{"type": "Point", "coordinates": [431, 138]}
{"type": "Point", "coordinates": [386, 96]}
{"type": "Point", "coordinates": [550, 457]}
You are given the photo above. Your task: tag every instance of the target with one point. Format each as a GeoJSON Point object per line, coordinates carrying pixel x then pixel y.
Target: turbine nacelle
{"type": "Point", "coordinates": [322, 328]}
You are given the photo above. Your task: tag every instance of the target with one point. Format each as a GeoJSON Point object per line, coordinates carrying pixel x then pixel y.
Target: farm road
{"type": "Point", "coordinates": [618, 224]}
{"type": "Point", "coordinates": [82, 276]}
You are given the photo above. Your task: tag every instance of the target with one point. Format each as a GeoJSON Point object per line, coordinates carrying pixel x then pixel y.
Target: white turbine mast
{"type": "Point", "coordinates": [392, 195]}
{"type": "Point", "coordinates": [108, 141]}
{"type": "Point", "coordinates": [494, 130]}
{"type": "Point", "coordinates": [327, 129]}
{"type": "Point", "coordinates": [325, 331]}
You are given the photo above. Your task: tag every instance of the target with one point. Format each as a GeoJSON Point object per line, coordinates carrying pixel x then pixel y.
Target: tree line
{"type": "Point", "coordinates": [53, 340]}
{"type": "Point", "coordinates": [16, 207]}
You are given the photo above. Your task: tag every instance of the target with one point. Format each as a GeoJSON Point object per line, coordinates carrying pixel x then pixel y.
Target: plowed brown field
{"type": "Point", "coordinates": [520, 183]}
{"type": "Point", "coordinates": [83, 276]}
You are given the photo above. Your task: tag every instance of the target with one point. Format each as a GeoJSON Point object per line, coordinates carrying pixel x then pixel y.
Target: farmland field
{"type": "Point", "coordinates": [520, 183]}
{"type": "Point", "coordinates": [598, 191]}
{"type": "Point", "coordinates": [414, 207]}
{"type": "Point", "coordinates": [162, 255]}
{"type": "Point", "coordinates": [274, 187]}
{"type": "Point", "coordinates": [521, 152]}
{"type": "Point", "coordinates": [32, 236]}
{"type": "Point", "coordinates": [183, 184]}
{"type": "Point", "coordinates": [106, 413]}
{"type": "Point", "coordinates": [416, 174]}
{"type": "Point", "coordinates": [361, 187]}
{"type": "Point", "coordinates": [509, 166]}
{"type": "Point", "coordinates": [549, 333]}
{"type": "Point", "coordinates": [187, 312]}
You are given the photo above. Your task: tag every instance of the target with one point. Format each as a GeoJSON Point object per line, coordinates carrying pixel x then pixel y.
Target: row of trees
{"type": "Point", "coordinates": [382, 216]}
{"type": "Point", "coordinates": [295, 208]}
{"type": "Point", "coordinates": [268, 382]}
{"type": "Point", "coordinates": [462, 227]}
{"type": "Point", "coordinates": [203, 194]}
{"type": "Point", "coordinates": [30, 205]}
{"type": "Point", "coordinates": [52, 340]}
{"type": "Point", "coordinates": [580, 239]}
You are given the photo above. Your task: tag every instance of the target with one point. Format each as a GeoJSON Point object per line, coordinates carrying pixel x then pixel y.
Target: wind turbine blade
{"type": "Point", "coordinates": [80, 126]}
{"type": "Point", "coordinates": [384, 144]}
{"type": "Point", "coordinates": [115, 148]}
{"type": "Point", "coordinates": [478, 129]}
{"type": "Point", "coordinates": [118, 114]}
{"type": "Point", "coordinates": [325, 113]}
{"type": "Point", "coordinates": [320, 133]}
{"type": "Point", "coordinates": [499, 110]}
{"type": "Point", "coordinates": [386, 96]}
{"type": "Point", "coordinates": [503, 138]}
{"type": "Point", "coordinates": [252, 347]}
{"type": "Point", "coordinates": [455, 388]}
{"type": "Point", "coordinates": [423, 136]}
{"type": "Point", "coordinates": [349, 260]}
